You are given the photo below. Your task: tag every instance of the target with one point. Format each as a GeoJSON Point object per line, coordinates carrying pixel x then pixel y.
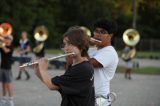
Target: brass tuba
{"type": "Point", "coordinates": [130, 37]}
{"type": "Point", "coordinates": [5, 30]}
{"type": "Point", "coordinates": [40, 35]}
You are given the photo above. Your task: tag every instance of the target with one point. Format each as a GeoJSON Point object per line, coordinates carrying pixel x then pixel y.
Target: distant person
{"type": "Point", "coordinates": [24, 49]}
{"type": "Point", "coordinates": [39, 49]}
{"type": "Point", "coordinates": [128, 54]}
{"type": "Point", "coordinates": [6, 51]}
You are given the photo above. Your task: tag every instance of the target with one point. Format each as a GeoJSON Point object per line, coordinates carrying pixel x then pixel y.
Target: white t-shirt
{"type": "Point", "coordinates": [108, 57]}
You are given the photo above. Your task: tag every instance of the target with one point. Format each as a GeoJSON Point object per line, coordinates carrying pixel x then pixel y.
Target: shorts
{"type": "Point", "coordinates": [129, 64]}
{"type": "Point", "coordinates": [5, 75]}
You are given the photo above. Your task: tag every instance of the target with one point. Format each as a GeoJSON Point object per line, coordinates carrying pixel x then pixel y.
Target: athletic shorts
{"type": "Point", "coordinates": [5, 75]}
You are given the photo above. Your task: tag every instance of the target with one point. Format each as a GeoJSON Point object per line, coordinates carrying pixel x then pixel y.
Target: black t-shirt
{"type": "Point", "coordinates": [76, 85]}
{"type": "Point", "coordinates": [6, 58]}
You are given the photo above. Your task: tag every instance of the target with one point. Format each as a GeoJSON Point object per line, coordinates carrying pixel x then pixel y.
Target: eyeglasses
{"type": "Point", "coordinates": [102, 32]}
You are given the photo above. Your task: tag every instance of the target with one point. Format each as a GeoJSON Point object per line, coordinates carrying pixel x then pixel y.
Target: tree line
{"type": "Point", "coordinates": [58, 15]}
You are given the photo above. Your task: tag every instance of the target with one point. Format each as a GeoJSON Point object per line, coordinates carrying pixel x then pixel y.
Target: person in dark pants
{"type": "Point", "coordinates": [76, 84]}
{"type": "Point", "coordinates": [24, 48]}
{"type": "Point", "coordinates": [6, 51]}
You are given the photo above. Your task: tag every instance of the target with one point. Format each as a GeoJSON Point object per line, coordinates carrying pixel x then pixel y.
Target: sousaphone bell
{"type": "Point", "coordinates": [130, 37]}
{"type": "Point", "coordinates": [40, 35]}
{"type": "Point", "coordinates": [5, 30]}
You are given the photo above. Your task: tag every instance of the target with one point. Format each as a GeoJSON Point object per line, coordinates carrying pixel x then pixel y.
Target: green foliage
{"type": "Point", "coordinates": [58, 15]}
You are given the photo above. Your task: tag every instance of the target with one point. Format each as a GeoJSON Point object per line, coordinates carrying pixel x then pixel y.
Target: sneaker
{"type": "Point", "coordinates": [10, 103]}
{"type": "Point", "coordinates": [28, 78]}
{"type": "Point", "coordinates": [3, 102]}
{"type": "Point", "coordinates": [18, 78]}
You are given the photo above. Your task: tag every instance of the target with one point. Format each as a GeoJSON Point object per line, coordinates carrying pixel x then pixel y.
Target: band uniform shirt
{"type": "Point", "coordinates": [76, 85]}
{"type": "Point", "coordinates": [6, 58]}
{"type": "Point", "coordinates": [108, 57]}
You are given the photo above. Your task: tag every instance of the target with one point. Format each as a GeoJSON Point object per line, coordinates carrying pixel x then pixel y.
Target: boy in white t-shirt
{"type": "Point", "coordinates": [104, 60]}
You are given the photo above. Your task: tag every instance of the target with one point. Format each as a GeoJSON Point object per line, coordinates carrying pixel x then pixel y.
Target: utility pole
{"type": "Point", "coordinates": [134, 14]}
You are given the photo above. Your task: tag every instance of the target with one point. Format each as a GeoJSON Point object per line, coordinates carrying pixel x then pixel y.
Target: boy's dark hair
{"type": "Point", "coordinates": [106, 24]}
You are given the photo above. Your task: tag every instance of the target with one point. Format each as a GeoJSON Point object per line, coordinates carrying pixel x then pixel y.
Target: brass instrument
{"type": "Point", "coordinates": [40, 35]}
{"type": "Point", "coordinates": [38, 48]}
{"type": "Point", "coordinates": [88, 32]}
{"type": "Point", "coordinates": [131, 37]}
{"type": "Point", "coordinates": [49, 59]}
{"type": "Point", "coordinates": [5, 30]}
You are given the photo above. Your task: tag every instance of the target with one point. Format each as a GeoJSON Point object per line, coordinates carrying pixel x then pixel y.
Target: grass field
{"type": "Point", "coordinates": [141, 70]}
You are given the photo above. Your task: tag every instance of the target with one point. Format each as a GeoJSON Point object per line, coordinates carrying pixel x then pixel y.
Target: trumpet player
{"type": "Point", "coordinates": [24, 49]}
{"type": "Point", "coordinates": [6, 50]}
{"type": "Point", "coordinates": [129, 53]}
{"type": "Point", "coordinates": [104, 60]}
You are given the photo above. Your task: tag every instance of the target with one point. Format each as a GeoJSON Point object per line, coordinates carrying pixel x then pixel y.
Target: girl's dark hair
{"type": "Point", "coordinates": [78, 38]}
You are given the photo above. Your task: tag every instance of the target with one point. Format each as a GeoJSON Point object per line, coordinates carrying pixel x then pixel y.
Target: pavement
{"type": "Point", "coordinates": [141, 90]}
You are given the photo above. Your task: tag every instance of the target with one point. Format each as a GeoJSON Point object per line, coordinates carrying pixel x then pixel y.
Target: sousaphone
{"type": "Point", "coordinates": [130, 37]}
{"type": "Point", "coordinates": [5, 30]}
{"type": "Point", "coordinates": [40, 35]}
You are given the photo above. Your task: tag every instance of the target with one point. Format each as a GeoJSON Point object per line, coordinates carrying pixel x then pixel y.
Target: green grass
{"type": "Point", "coordinates": [54, 51]}
{"type": "Point", "coordinates": [145, 54]}
{"type": "Point", "coordinates": [155, 55]}
{"type": "Point", "coordinates": [141, 70]}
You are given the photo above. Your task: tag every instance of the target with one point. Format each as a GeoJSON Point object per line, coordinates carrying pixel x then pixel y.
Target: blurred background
{"type": "Point", "coordinates": [58, 15]}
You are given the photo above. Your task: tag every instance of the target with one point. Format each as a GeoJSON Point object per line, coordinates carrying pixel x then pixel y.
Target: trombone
{"type": "Point", "coordinates": [49, 59]}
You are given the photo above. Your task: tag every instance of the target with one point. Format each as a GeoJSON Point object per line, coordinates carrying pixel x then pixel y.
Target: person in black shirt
{"type": "Point", "coordinates": [5, 71]}
{"type": "Point", "coordinates": [76, 84]}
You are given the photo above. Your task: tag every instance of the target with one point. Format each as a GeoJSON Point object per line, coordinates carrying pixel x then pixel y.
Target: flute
{"type": "Point", "coordinates": [49, 59]}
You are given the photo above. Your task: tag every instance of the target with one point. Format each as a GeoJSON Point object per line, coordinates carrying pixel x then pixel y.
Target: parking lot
{"type": "Point", "coordinates": [142, 90]}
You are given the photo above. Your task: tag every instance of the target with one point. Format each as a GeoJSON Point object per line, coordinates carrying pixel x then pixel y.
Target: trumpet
{"type": "Point", "coordinates": [88, 32]}
{"type": "Point", "coordinates": [95, 40]}
{"type": "Point", "coordinates": [49, 59]}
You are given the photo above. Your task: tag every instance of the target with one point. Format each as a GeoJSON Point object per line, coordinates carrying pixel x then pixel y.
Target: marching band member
{"type": "Point", "coordinates": [24, 49]}
{"type": "Point", "coordinates": [6, 51]}
{"type": "Point", "coordinates": [76, 85]}
{"type": "Point", "coordinates": [39, 49]}
{"type": "Point", "coordinates": [129, 53]}
{"type": "Point", "coordinates": [104, 60]}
